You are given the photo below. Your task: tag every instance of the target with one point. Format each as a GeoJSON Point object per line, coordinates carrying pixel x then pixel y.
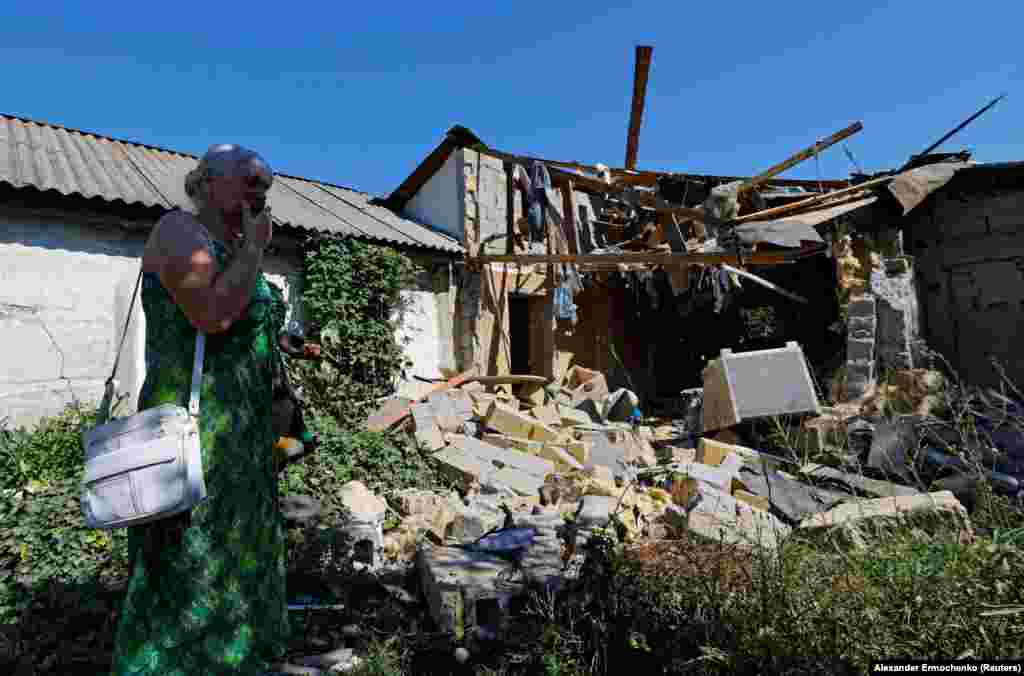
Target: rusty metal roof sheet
{"type": "Point", "coordinates": [72, 162]}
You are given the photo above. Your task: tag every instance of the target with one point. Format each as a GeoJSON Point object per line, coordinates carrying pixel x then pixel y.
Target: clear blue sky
{"type": "Point", "coordinates": [356, 93]}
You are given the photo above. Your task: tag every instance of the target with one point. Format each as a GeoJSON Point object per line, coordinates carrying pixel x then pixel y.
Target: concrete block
{"type": "Point", "coordinates": [715, 476]}
{"type": "Point", "coordinates": [722, 518]}
{"type": "Point", "coordinates": [532, 393]}
{"type": "Point", "coordinates": [503, 441]}
{"type": "Point", "coordinates": [481, 402]}
{"type": "Point", "coordinates": [460, 584]}
{"type": "Point", "coordinates": [732, 464]}
{"type": "Point", "coordinates": [465, 466]}
{"type": "Point", "coordinates": [861, 372]}
{"type": "Point", "coordinates": [595, 511]}
{"type": "Point", "coordinates": [504, 419]}
{"type": "Point", "coordinates": [573, 416]}
{"type": "Point", "coordinates": [586, 384]}
{"type": "Point", "coordinates": [503, 457]}
{"type": "Point", "coordinates": [418, 501]}
{"type": "Point", "coordinates": [473, 520]}
{"type": "Point", "coordinates": [756, 501]}
{"type": "Point", "coordinates": [365, 527]}
{"type": "Point", "coordinates": [427, 431]}
{"type": "Point", "coordinates": [547, 415]}
{"type": "Point", "coordinates": [860, 349]}
{"type": "Point", "coordinates": [450, 412]}
{"type": "Point", "coordinates": [711, 452]}
{"type": "Point", "coordinates": [579, 450]}
{"type": "Point", "coordinates": [855, 510]}
{"type": "Point", "coordinates": [516, 480]}
{"type": "Point", "coordinates": [563, 460]}
{"type": "Point", "coordinates": [603, 452]}
{"type": "Point", "coordinates": [861, 307]}
{"type": "Point", "coordinates": [861, 324]}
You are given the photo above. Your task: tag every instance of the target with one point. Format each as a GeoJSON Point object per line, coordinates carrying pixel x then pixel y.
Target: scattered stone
{"type": "Point", "coordinates": [461, 655]}
{"type": "Point", "coordinates": [756, 501]}
{"type": "Point", "coordinates": [547, 415]}
{"type": "Point", "coordinates": [872, 487]}
{"type": "Point", "coordinates": [365, 527]}
{"type": "Point", "coordinates": [427, 430]}
{"type": "Point", "coordinates": [562, 459]}
{"type": "Point", "coordinates": [512, 423]}
{"type": "Point", "coordinates": [504, 457]}
{"type": "Point", "coordinates": [586, 385]}
{"type": "Point", "coordinates": [573, 416]}
{"type": "Point", "coordinates": [595, 511]}
{"type": "Point", "coordinates": [464, 467]}
{"type": "Point", "coordinates": [461, 585]}
{"type": "Point", "coordinates": [720, 517]}
{"type": "Point", "coordinates": [791, 499]}
{"type": "Point", "coordinates": [941, 501]}
{"type": "Point", "coordinates": [418, 501]}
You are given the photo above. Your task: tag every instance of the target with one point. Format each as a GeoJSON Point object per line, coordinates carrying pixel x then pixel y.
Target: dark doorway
{"type": "Point", "coordinates": [519, 328]}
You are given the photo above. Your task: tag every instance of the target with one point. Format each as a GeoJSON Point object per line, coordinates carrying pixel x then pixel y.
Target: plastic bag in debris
{"type": "Point", "coordinates": [564, 307]}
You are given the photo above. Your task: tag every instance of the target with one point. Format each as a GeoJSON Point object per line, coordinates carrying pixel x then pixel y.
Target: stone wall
{"type": "Point", "coordinates": [883, 316]}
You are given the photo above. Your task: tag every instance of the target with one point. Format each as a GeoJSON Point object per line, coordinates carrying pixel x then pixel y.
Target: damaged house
{"type": "Point", "coordinates": [617, 271]}
{"type": "Point", "coordinates": [75, 212]}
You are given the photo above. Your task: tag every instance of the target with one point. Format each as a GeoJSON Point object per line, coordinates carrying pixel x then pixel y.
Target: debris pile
{"type": "Point", "coordinates": [537, 473]}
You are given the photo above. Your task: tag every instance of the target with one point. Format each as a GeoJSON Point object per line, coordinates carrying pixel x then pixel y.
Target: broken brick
{"type": "Point", "coordinates": [510, 422]}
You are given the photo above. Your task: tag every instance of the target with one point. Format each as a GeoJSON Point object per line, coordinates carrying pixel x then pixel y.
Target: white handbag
{"type": "Point", "coordinates": [147, 466]}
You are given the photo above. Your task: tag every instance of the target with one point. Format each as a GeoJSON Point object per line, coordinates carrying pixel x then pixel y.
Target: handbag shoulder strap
{"type": "Point", "coordinates": [197, 362]}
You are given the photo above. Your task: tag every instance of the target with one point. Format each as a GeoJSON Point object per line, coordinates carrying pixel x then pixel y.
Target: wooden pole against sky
{"type": "Point", "coordinates": [640, 72]}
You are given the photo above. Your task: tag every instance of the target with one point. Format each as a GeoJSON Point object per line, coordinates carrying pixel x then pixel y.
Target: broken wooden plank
{"type": "Point", "coordinates": [804, 154]}
{"type": "Point", "coordinates": [766, 284]}
{"type": "Point", "coordinates": [811, 201]}
{"type": "Point", "coordinates": [510, 380]}
{"type": "Point", "coordinates": [387, 422]}
{"type": "Point", "coordinates": [645, 258]}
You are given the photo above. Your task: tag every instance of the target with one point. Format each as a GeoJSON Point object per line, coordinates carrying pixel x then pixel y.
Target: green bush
{"type": "Point", "coordinates": [350, 291]}
{"type": "Point", "coordinates": [43, 539]}
{"type": "Point", "coordinates": [50, 452]}
{"type": "Point", "coordinates": [384, 461]}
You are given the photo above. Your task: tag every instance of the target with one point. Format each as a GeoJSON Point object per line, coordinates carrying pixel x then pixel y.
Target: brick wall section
{"type": "Point", "coordinates": [860, 364]}
{"type": "Point", "coordinates": [964, 242]}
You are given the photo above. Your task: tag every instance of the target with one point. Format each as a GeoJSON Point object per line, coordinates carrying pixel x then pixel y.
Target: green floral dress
{"type": "Point", "coordinates": [207, 589]}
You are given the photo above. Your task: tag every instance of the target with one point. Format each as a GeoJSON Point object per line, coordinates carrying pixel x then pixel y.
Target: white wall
{"type": "Point", "coordinates": [64, 289]}
{"type": "Point", "coordinates": [424, 330]}
{"type": "Point", "coordinates": [437, 203]}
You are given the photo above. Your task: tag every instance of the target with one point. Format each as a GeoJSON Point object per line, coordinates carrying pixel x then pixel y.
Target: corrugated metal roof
{"type": "Point", "coordinates": [49, 157]}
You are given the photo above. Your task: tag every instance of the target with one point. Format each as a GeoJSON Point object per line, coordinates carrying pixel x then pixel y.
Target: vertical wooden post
{"type": "Point", "coordinates": [569, 220]}
{"type": "Point", "coordinates": [510, 206]}
{"type": "Point", "coordinates": [550, 323]}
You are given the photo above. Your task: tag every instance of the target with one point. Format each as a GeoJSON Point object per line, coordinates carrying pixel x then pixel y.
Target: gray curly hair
{"type": "Point", "coordinates": [225, 159]}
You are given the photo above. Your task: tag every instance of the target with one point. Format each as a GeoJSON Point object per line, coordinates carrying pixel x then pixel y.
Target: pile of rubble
{"type": "Point", "coordinates": [539, 472]}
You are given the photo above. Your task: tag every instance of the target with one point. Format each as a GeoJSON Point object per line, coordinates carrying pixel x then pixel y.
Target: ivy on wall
{"type": "Point", "coordinates": [351, 291]}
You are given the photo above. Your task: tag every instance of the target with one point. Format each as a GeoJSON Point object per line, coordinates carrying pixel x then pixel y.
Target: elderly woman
{"type": "Point", "coordinates": [207, 590]}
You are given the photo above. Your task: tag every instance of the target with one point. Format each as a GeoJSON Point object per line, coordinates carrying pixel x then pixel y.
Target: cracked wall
{"type": "Point", "coordinates": [64, 289]}
{"type": "Point", "coordinates": [64, 295]}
